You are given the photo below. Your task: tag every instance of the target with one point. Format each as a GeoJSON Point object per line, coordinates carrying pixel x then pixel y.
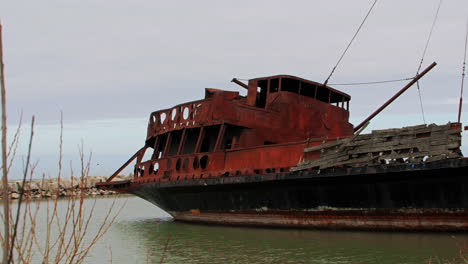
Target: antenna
{"type": "Point", "coordinates": [463, 76]}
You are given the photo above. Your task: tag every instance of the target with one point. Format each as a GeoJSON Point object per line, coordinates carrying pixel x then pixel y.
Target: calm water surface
{"type": "Point", "coordinates": [143, 233]}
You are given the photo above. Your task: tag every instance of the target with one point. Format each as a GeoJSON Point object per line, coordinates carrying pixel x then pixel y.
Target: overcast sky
{"type": "Point", "coordinates": [108, 64]}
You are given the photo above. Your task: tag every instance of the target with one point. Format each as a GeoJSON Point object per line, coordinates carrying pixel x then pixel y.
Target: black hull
{"type": "Point", "coordinates": [431, 196]}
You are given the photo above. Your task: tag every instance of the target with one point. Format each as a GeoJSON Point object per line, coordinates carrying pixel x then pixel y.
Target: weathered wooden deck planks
{"type": "Point", "coordinates": [421, 143]}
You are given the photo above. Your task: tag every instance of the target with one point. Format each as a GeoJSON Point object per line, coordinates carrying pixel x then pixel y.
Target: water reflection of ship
{"type": "Point", "coordinates": [212, 244]}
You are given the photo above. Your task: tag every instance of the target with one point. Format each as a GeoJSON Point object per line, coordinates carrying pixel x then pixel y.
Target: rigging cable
{"type": "Point", "coordinates": [463, 75]}
{"type": "Point", "coordinates": [349, 44]}
{"type": "Point", "coordinates": [374, 82]}
{"type": "Point", "coordinates": [422, 58]}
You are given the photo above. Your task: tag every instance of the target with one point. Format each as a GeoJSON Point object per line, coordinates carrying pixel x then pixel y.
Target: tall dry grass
{"type": "Point", "coordinates": [66, 238]}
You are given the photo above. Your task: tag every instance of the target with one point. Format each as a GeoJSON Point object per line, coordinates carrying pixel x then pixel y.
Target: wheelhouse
{"type": "Point", "coordinates": [260, 89]}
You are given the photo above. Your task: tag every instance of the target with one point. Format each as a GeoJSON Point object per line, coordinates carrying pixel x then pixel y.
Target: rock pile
{"type": "Point", "coordinates": [52, 188]}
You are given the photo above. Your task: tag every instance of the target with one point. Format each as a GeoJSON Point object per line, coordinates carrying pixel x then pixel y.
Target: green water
{"type": "Point", "coordinates": [141, 236]}
{"type": "Point", "coordinates": [143, 233]}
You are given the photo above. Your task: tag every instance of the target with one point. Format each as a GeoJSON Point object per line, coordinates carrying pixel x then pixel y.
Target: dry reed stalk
{"type": "Point", "coordinates": [73, 241]}
{"type": "Point", "coordinates": [463, 252]}
{"type": "Point", "coordinates": [110, 254]}
{"type": "Point", "coordinates": [166, 245]}
{"type": "Point", "coordinates": [460, 258]}
{"type": "Point", "coordinates": [14, 144]}
{"type": "Point", "coordinates": [15, 225]}
{"type": "Point", "coordinates": [6, 202]}
{"type": "Point", "coordinates": [163, 253]}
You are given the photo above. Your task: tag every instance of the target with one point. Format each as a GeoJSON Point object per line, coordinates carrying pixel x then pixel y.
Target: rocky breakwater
{"type": "Point", "coordinates": [53, 188]}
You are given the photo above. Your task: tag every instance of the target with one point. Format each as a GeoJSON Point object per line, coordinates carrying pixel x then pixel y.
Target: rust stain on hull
{"type": "Point", "coordinates": [331, 220]}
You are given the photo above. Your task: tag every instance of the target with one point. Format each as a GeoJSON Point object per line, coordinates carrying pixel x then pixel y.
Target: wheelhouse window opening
{"type": "Point", "coordinates": [336, 98]}
{"type": "Point", "coordinates": [175, 141]}
{"type": "Point", "coordinates": [192, 135]}
{"type": "Point", "coordinates": [290, 85]}
{"type": "Point", "coordinates": [159, 146]}
{"type": "Point", "coordinates": [230, 136]}
{"type": "Point", "coordinates": [308, 89]}
{"type": "Point", "coordinates": [262, 89]}
{"type": "Point", "coordinates": [209, 139]}
{"type": "Point", "coordinates": [322, 94]}
{"type": "Point", "coordinates": [274, 85]}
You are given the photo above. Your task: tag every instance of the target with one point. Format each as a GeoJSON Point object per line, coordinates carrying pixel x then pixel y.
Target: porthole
{"type": "Point", "coordinates": [162, 117]}
{"type": "Point", "coordinates": [186, 113]}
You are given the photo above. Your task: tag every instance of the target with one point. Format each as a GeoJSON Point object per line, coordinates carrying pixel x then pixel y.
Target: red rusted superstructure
{"type": "Point", "coordinates": [228, 134]}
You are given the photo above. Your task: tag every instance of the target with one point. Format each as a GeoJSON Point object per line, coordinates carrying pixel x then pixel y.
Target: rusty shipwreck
{"type": "Point", "coordinates": [286, 155]}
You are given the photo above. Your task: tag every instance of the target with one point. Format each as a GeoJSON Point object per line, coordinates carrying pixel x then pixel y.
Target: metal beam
{"type": "Point", "coordinates": [236, 81]}
{"type": "Point", "coordinates": [126, 164]}
{"type": "Point", "coordinates": [413, 81]}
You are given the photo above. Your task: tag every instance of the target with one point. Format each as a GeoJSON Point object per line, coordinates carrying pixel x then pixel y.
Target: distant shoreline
{"type": "Point", "coordinates": [113, 196]}
{"type": "Point", "coordinates": [66, 187]}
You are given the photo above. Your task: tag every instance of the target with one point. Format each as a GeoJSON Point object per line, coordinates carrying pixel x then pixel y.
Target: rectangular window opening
{"type": "Point", "coordinates": [290, 85]}
{"type": "Point", "coordinates": [261, 93]}
{"type": "Point", "coordinates": [322, 94]}
{"type": "Point", "coordinates": [176, 137]}
{"type": "Point", "coordinates": [231, 135]}
{"type": "Point", "coordinates": [209, 140]}
{"type": "Point", "coordinates": [274, 85]}
{"type": "Point", "coordinates": [158, 151]}
{"type": "Point", "coordinates": [308, 89]}
{"type": "Point", "coordinates": [191, 140]}
{"type": "Point", "coordinates": [336, 98]}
